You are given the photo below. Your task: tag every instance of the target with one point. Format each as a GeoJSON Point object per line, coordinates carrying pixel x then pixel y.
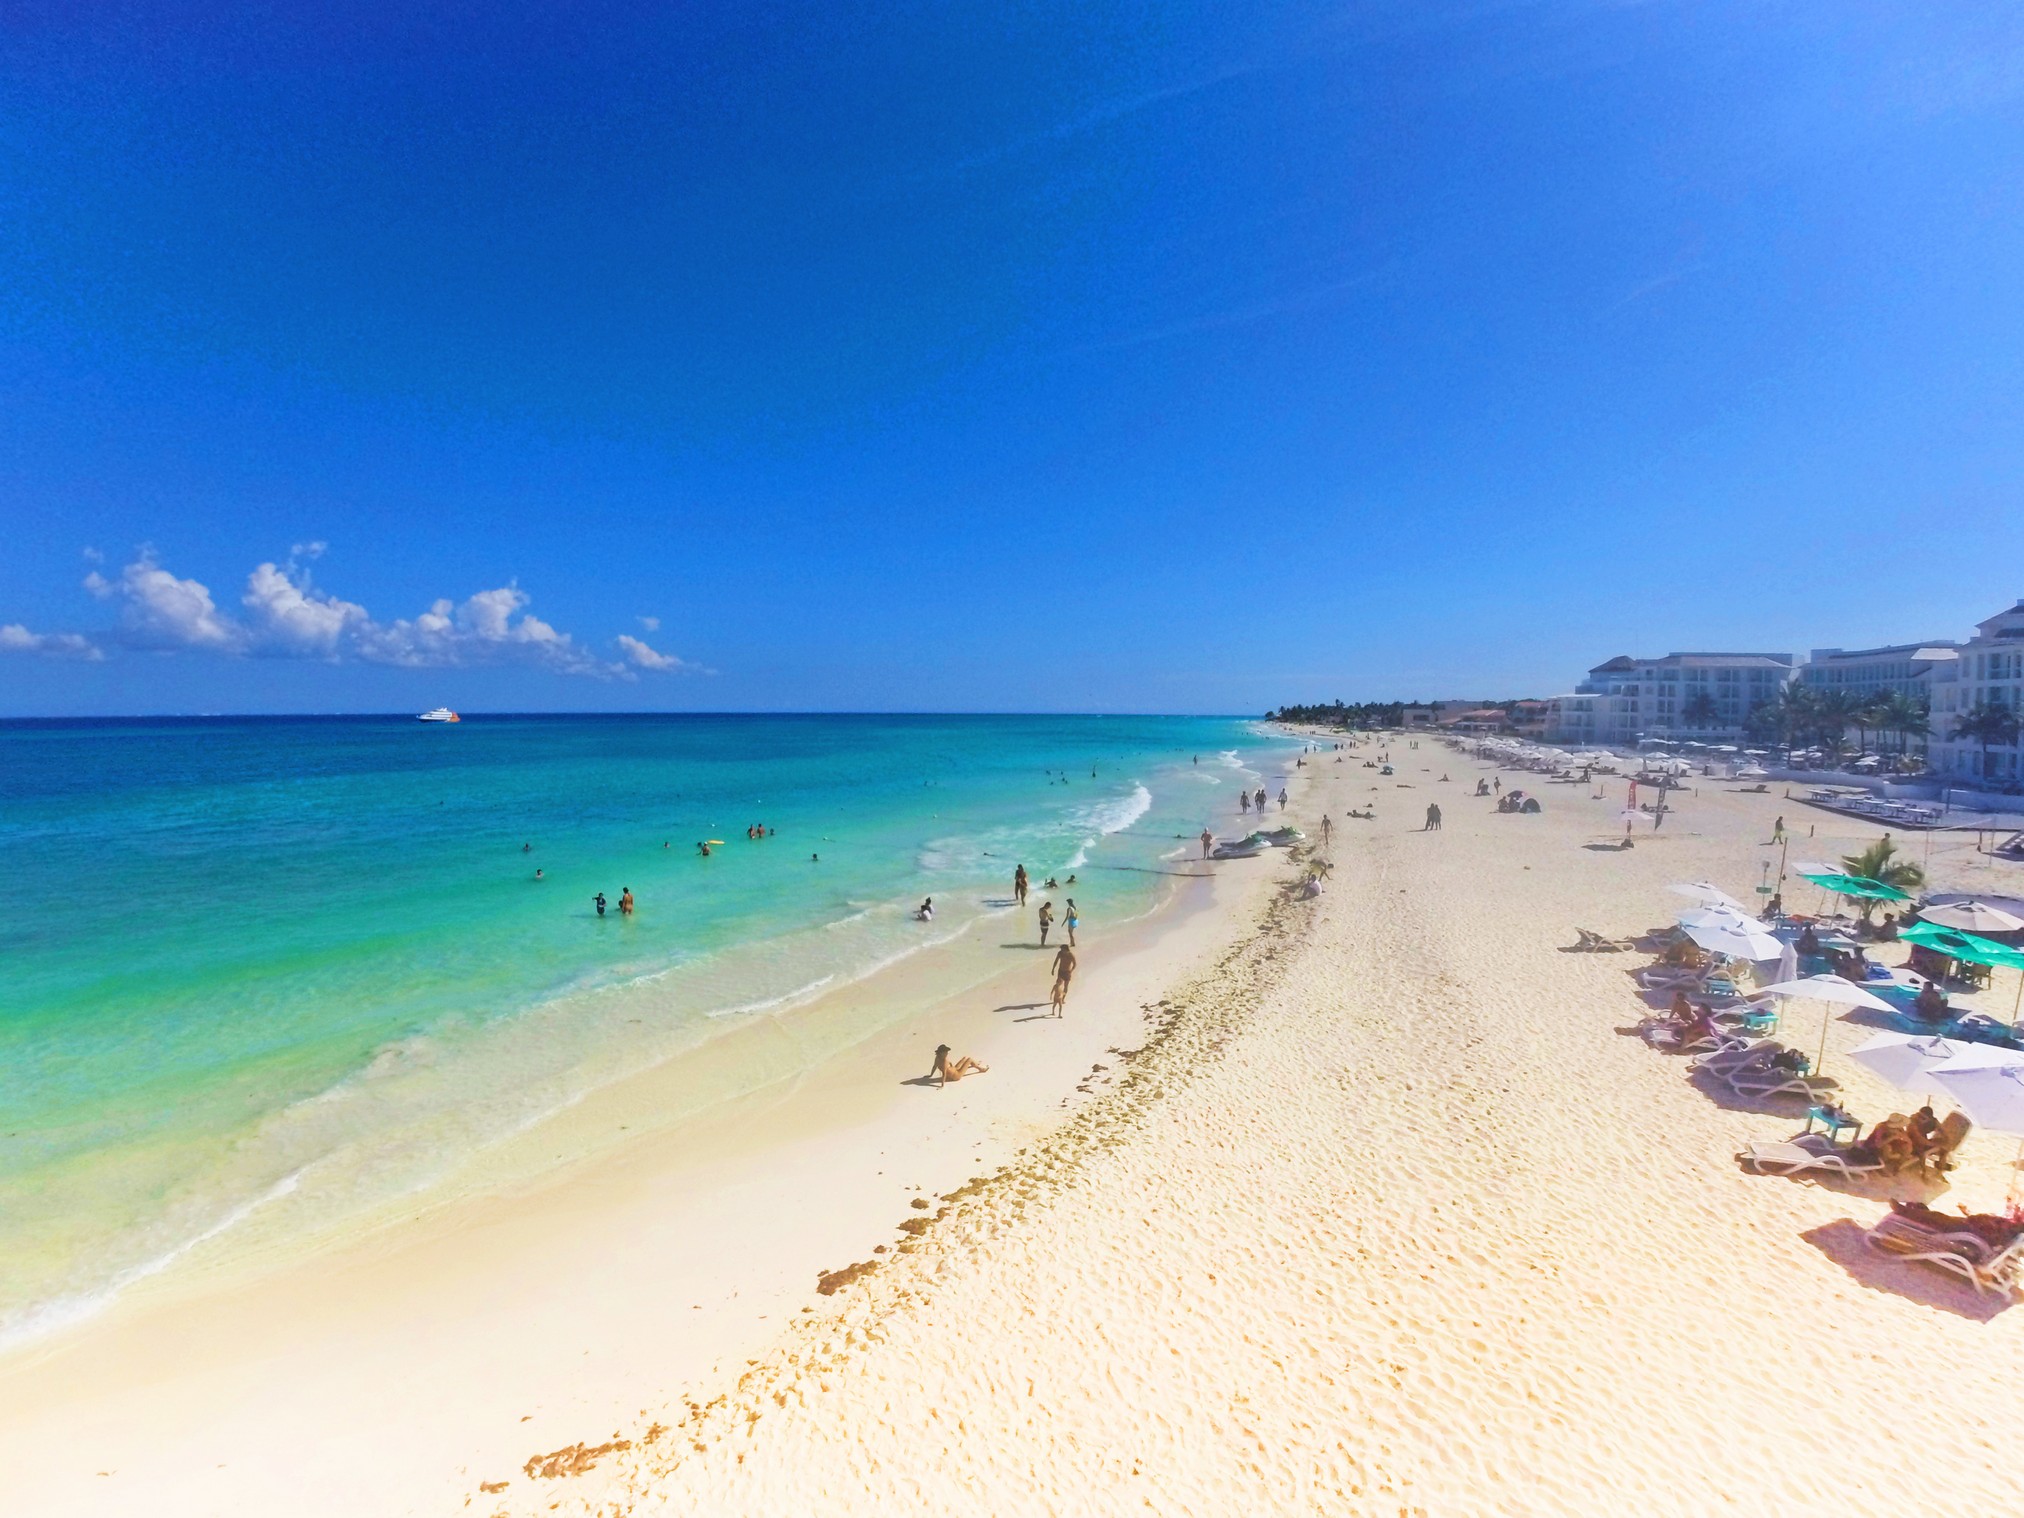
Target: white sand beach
{"type": "Point", "coordinates": [1368, 1203]}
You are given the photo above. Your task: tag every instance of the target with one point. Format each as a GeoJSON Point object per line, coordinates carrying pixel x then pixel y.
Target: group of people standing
{"type": "Point", "coordinates": [1064, 957]}
{"type": "Point", "coordinates": [1248, 801]}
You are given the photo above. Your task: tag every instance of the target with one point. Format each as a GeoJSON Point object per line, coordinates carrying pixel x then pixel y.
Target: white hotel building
{"type": "Point", "coordinates": [1989, 669]}
{"type": "Point", "coordinates": [1626, 699]}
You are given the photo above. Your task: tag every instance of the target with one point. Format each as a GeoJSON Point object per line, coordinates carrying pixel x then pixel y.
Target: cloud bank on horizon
{"type": "Point", "coordinates": [284, 614]}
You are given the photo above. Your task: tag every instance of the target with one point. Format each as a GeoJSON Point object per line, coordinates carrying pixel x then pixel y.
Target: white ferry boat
{"type": "Point", "coordinates": [440, 714]}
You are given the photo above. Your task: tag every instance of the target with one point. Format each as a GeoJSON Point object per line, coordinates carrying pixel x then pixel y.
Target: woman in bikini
{"type": "Point", "coordinates": [947, 1069]}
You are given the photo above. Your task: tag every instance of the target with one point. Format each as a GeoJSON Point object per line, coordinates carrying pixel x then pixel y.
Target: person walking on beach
{"type": "Point", "coordinates": [947, 1069]}
{"type": "Point", "coordinates": [1327, 830]}
{"type": "Point", "coordinates": [1019, 885]}
{"type": "Point", "coordinates": [1064, 972]}
{"type": "Point", "coordinates": [1046, 921]}
{"type": "Point", "coordinates": [1282, 798]}
{"type": "Point", "coordinates": [1778, 830]}
{"type": "Point", "coordinates": [1433, 819]}
{"type": "Point", "coordinates": [1208, 842]}
{"type": "Point", "coordinates": [598, 902]}
{"type": "Point", "coordinates": [1259, 800]}
{"type": "Point", "coordinates": [625, 901]}
{"type": "Point", "coordinates": [1243, 801]}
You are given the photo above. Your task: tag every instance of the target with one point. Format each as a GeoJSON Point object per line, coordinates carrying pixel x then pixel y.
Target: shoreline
{"type": "Point", "coordinates": [539, 1304]}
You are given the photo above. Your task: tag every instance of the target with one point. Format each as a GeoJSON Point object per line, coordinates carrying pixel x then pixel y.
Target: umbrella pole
{"type": "Point", "coordinates": [1826, 1013]}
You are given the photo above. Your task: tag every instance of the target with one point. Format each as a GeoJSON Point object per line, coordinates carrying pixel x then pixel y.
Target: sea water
{"type": "Point", "coordinates": [259, 969]}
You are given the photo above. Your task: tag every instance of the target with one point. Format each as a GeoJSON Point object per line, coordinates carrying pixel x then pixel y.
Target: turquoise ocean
{"type": "Point", "coordinates": [255, 969]}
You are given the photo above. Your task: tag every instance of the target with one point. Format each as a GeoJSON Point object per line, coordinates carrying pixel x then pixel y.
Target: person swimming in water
{"type": "Point", "coordinates": [538, 874]}
{"type": "Point", "coordinates": [625, 901]}
{"type": "Point", "coordinates": [925, 912]}
{"type": "Point", "coordinates": [598, 902]}
{"type": "Point", "coordinates": [703, 849]}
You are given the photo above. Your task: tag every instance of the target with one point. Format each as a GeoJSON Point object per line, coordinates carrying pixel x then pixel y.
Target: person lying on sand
{"type": "Point", "coordinates": [947, 1069]}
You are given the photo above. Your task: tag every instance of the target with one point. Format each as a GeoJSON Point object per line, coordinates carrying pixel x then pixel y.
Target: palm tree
{"type": "Point", "coordinates": [1987, 723]}
{"type": "Point", "coordinates": [1879, 862]}
{"type": "Point", "coordinates": [1700, 710]}
{"type": "Point", "coordinates": [1834, 712]}
{"type": "Point", "coordinates": [1869, 714]}
{"type": "Point", "coordinates": [1905, 715]}
{"type": "Point", "coordinates": [1786, 718]}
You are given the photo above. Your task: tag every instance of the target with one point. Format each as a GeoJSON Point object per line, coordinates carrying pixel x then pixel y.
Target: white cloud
{"type": "Point", "coordinates": [287, 616]}
{"type": "Point", "coordinates": [16, 639]}
{"type": "Point", "coordinates": [162, 611]}
{"type": "Point", "coordinates": [651, 624]}
{"type": "Point", "coordinates": [645, 657]}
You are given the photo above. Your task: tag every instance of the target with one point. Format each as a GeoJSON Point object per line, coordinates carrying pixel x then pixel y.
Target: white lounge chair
{"type": "Point", "coordinates": [1797, 1156]}
{"type": "Point", "coordinates": [1757, 1084]}
{"type": "Point", "coordinates": [1986, 1266]}
{"type": "Point", "coordinates": [1737, 1055]}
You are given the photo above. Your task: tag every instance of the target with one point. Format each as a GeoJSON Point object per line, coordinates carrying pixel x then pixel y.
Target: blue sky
{"type": "Point", "coordinates": [1079, 356]}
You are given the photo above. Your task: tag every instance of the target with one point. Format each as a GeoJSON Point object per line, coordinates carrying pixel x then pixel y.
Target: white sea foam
{"type": "Point", "coordinates": [799, 996]}
{"type": "Point", "coordinates": [62, 1312]}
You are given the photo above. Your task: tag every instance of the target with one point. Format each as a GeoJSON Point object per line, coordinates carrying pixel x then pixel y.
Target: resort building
{"type": "Point", "coordinates": [1692, 695]}
{"type": "Point", "coordinates": [1988, 670]}
{"type": "Point", "coordinates": [1906, 667]}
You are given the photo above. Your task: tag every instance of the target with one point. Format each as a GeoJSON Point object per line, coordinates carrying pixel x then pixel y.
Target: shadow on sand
{"type": "Point", "coordinates": [1842, 1242]}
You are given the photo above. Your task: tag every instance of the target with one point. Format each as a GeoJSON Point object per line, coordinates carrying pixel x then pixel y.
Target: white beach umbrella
{"type": "Point", "coordinates": [1829, 988]}
{"type": "Point", "coordinates": [1832, 990]}
{"type": "Point", "coordinates": [1701, 917]}
{"type": "Point", "coordinates": [1707, 895]}
{"type": "Point", "coordinates": [1740, 939]}
{"type": "Point", "coordinates": [1987, 1083]}
{"type": "Point", "coordinates": [1972, 917]}
{"type": "Point", "coordinates": [1907, 1060]}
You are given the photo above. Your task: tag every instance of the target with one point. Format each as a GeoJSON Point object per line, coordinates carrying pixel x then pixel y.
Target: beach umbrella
{"type": "Point", "coordinates": [1831, 990]}
{"type": "Point", "coordinates": [1706, 916]}
{"type": "Point", "coordinates": [1864, 889]}
{"type": "Point", "coordinates": [1739, 939]}
{"type": "Point", "coordinates": [1708, 895]}
{"type": "Point", "coordinates": [1971, 917]}
{"type": "Point", "coordinates": [1987, 1084]}
{"type": "Point", "coordinates": [1907, 1060]}
{"type": "Point", "coordinates": [1956, 944]}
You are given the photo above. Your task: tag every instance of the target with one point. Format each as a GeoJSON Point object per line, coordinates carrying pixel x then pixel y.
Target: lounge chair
{"type": "Point", "coordinates": [1760, 1083]}
{"type": "Point", "coordinates": [1588, 942]}
{"type": "Point", "coordinates": [1812, 1151]}
{"type": "Point", "coordinates": [1698, 1036]}
{"type": "Point", "coordinates": [1737, 1054]}
{"type": "Point", "coordinates": [1991, 1264]}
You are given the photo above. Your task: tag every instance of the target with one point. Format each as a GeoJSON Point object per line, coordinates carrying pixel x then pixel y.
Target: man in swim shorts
{"type": "Point", "coordinates": [1064, 972]}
